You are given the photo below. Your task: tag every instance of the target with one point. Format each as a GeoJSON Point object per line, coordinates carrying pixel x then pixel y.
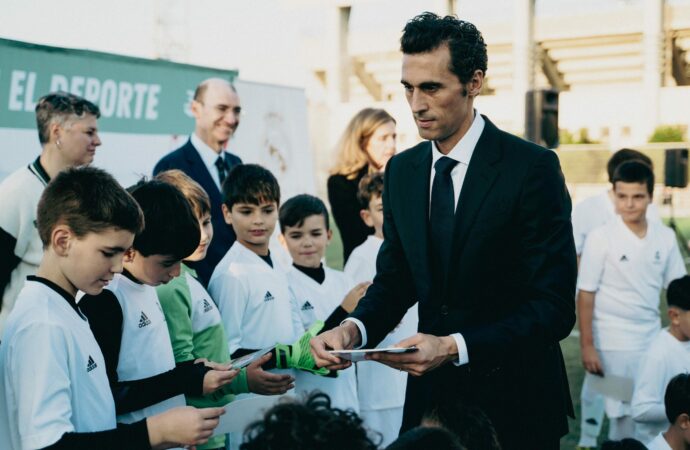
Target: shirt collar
{"type": "Point", "coordinates": [462, 152]}
{"type": "Point", "coordinates": [208, 155]}
{"type": "Point", "coordinates": [60, 291]}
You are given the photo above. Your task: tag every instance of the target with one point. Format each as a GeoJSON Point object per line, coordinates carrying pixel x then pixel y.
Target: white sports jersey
{"type": "Point", "coordinates": [254, 301]}
{"type": "Point", "coordinates": [659, 443]}
{"type": "Point", "coordinates": [52, 373]}
{"type": "Point", "coordinates": [594, 212]}
{"type": "Point", "coordinates": [145, 348]}
{"type": "Point", "coordinates": [379, 386]}
{"type": "Point", "coordinates": [317, 302]}
{"type": "Point", "coordinates": [664, 359]}
{"type": "Point", "coordinates": [20, 193]}
{"type": "Point", "coordinates": [627, 274]}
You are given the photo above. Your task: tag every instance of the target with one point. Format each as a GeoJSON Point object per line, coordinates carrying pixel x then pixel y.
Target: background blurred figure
{"type": "Point", "coordinates": [366, 146]}
{"type": "Point", "coordinates": [68, 133]}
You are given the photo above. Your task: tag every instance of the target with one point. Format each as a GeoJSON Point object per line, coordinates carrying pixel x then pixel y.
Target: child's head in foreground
{"type": "Point", "coordinates": [251, 196]}
{"type": "Point", "coordinates": [633, 187]}
{"type": "Point", "coordinates": [171, 233]}
{"type": "Point", "coordinates": [86, 222]}
{"type": "Point", "coordinates": [677, 403]}
{"type": "Point", "coordinates": [678, 298]}
{"type": "Point", "coordinates": [306, 230]}
{"type": "Point", "coordinates": [200, 204]}
{"type": "Point", "coordinates": [371, 202]}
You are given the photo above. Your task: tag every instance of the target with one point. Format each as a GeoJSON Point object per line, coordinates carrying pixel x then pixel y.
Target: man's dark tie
{"type": "Point", "coordinates": [222, 169]}
{"type": "Point", "coordinates": [442, 215]}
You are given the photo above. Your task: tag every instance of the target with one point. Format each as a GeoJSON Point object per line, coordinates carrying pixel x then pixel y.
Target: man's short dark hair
{"type": "Point", "coordinates": [87, 200]}
{"type": "Point", "coordinates": [250, 183]}
{"type": "Point", "coordinates": [634, 171]}
{"type": "Point", "coordinates": [470, 424]}
{"type": "Point", "coordinates": [428, 31]}
{"type": "Point", "coordinates": [678, 293]}
{"type": "Point", "coordinates": [171, 228]}
{"type": "Point", "coordinates": [312, 425]}
{"type": "Point", "coordinates": [427, 438]}
{"type": "Point", "coordinates": [201, 89]}
{"type": "Point", "coordinates": [59, 107]}
{"type": "Point", "coordinates": [624, 155]}
{"type": "Point", "coordinates": [298, 208]}
{"type": "Point", "coordinates": [677, 397]}
{"type": "Point", "coordinates": [370, 187]}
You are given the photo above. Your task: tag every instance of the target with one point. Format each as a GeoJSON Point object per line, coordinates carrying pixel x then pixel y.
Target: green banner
{"type": "Point", "coordinates": [135, 95]}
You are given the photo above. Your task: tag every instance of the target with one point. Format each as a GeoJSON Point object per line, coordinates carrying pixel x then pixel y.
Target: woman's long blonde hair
{"type": "Point", "coordinates": [352, 154]}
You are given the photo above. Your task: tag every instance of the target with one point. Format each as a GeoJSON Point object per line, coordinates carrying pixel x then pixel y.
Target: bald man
{"type": "Point", "coordinates": [216, 108]}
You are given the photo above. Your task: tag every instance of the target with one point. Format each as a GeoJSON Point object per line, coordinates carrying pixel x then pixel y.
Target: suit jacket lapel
{"type": "Point", "coordinates": [480, 176]}
{"type": "Point", "coordinates": [201, 174]}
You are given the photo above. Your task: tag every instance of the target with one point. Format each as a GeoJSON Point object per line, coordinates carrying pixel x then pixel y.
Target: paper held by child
{"type": "Point", "coordinates": [246, 360]}
{"type": "Point", "coordinates": [358, 355]}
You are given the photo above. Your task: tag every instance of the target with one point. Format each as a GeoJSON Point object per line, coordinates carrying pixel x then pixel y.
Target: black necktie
{"type": "Point", "coordinates": [222, 169]}
{"type": "Point", "coordinates": [442, 214]}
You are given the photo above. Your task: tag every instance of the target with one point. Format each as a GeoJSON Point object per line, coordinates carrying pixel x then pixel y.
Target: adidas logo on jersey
{"type": "Point", "coordinates": [623, 258]}
{"type": "Point", "coordinates": [268, 297]}
{"type": "Point", "coordinates": [307, 306]}
{"type": "Point", "coordinates": [207, 306]}
{"type": "Point", "coordinates": [91, 364]}
{"type": "Point", "coordinates": [143, 320]}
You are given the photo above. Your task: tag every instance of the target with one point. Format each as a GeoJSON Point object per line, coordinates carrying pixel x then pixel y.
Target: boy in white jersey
{"type": "Point", "coordinates": [67, 132]}
{"type": "Point", "coordinates": [381, 389]}
{"type": "Point", "coordinates": [54, 390]}
{"type": "Point", "coordinates": [677, 408]}
{"type": "Point", "coordinates": [127, 319]}
{"type": "Point", "coordinates": [666, 357]}
{"type": "Point", "coordinates": [589, 214]}
{"type": "Point", "coordinates": [625, 265]}
{"type": "Point", "coordinates": [322, 294]}
{"type": "Point", "coordinates": [251, 291]}
{"type": "Point", "coordinates": [193, 320]}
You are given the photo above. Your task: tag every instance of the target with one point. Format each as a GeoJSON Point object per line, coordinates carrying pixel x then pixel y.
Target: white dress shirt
{"type": "Point", "coordinates": [208, 156]}
{"type": "Point", "coordinates": [462, 152]}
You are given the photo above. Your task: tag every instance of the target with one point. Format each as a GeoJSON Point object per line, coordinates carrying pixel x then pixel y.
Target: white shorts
{"type": "Point", "coordinates": [623, 364]}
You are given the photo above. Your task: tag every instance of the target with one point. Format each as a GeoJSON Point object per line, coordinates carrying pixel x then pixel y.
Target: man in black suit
{"type": "Point", "coordinates": [216, 108]}
{"type": "Point", "coordinates": [477, 230]}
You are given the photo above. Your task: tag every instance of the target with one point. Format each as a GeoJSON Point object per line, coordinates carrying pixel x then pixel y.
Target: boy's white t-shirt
{"type": "Point", "coordinates": [379, 386]}
{"type": "Point", "coordinates": [317, 302]}
{"type": "Point", "coordinates": [145, 349]}
{"type": "Point", "coordinates": [658, 443]}
{"type": "Point", "coordinates": [594, 212]}
{"type": "Point", "coordinates": [665, 358]}
{"type": "Point", "coordinates": [254, 301]}
{"type": "Point", "coordinates": [52, 372]}
{"type": "Point", "coordinates": [627, 273]}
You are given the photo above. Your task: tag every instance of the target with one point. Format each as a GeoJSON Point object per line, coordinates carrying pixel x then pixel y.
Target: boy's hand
{"type": "Point", "coordinates": [591, 361]}
{"type": "Point", "coordinates": [266, 383]}
{"type": "Point", "coordinates": [182, 426]}
{"type": "Point", "coordinates": [354, 296]}
{"type": "Point", "coordinates": [342, 337]}
{"type": "Point", "coordinates": [216, 379]}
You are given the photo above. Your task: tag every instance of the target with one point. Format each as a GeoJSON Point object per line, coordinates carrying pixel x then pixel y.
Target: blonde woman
{"type": "Point", "coordinates": [366, 146]}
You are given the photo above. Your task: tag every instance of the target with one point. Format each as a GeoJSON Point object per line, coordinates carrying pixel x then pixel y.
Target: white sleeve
{"type": "Point", "coordinates": [231, 296]}
{"type": "Point", "coordinates": [675, 266]}
{"type": "Point", "coordinates": [355, 269]}
{"type": "Point", "coordinates": [648, 398]}
{"type": "Point", "coordinates": [579, 228]}
{"type": "Point", "coordinates": [592, 262]}
{"type": "Point", "coordinates": [41, 384]}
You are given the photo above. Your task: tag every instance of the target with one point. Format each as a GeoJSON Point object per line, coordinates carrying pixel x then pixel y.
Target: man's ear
{"type": "Point", "coordinates": [61, 240]}
{"type": "Point", "coordinates": [474, 86]}
{"type": "Point", "coordinates": [366, 217]}
{"type": "Point", "coordinates": [226, 214]}
{"type": "Point", "coordinates": [195, 107]}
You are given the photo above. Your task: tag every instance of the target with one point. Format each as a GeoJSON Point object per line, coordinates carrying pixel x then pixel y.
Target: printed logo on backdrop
{"type": "Point", "coordinates": [134, 95]}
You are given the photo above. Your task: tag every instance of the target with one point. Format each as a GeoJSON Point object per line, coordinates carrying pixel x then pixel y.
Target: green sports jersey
{"type": "Point", "coordinates": [196, 331]}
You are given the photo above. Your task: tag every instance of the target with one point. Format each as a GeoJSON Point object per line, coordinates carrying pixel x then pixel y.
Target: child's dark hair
{"type": "Point", "coordinates": [625, 155]}
{"type": "Point", "coordinates": [370, 186]}
{"type": "Point", "coordinates": [624, 444]}
{"type": "Point", "coordinates": [312, 425]}
{"type": "Point", "coordinates": [678, 293]}
{"type": "Point", "coordinates": [470, 424]}
{"type": "Point", "coordinates": [677, 397]}
{"type": "Point", "coordinates": [296, 209]}
{"type": "Point", "coordinates": [171, 227]}
{"type": "Point", "coordinates": [195, 194]}
{"type": "Point", "coordinates": [250, 183]}
{"type": "Point", "coordinates": [634, 171]}
{"type": "Point", "coordinates": [87, 200]}
{"type": "Point", "coordinates": [427, 438]}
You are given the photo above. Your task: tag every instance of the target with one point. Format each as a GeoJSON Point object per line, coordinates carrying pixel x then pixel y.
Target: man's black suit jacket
{"type": "Point", "coordinates": [188, 160]}
{"type": "Point", "coordinates": [510, 289]}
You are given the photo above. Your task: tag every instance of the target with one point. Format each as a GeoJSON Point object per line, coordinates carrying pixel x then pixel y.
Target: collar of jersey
{"type": "Point", "coordinates": [63, 293]}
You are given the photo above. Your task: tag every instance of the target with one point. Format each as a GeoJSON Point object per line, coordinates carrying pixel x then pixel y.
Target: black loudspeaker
{"type": "Point", "coordinates": [541, 117]}
{"type": "Point", "coordinates": [676, 167]}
